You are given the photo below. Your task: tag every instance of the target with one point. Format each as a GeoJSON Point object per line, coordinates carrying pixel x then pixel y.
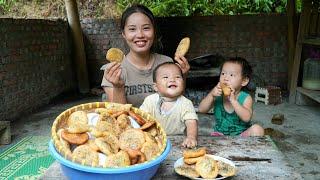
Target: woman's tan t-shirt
{"type": "Point", "coordinates": [138, 83]}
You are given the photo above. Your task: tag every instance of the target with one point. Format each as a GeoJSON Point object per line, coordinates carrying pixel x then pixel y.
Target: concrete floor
{"type": "Point", "coordinates": [298, 138]}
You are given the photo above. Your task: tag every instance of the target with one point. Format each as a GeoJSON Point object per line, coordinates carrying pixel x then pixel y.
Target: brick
{"type": "Point", "coordinates": [45, 48]}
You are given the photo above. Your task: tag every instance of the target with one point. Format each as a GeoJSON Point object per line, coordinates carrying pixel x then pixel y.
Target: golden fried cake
{"type": "Point", "coordinates": [123, 121]}
{"type": "Point", "coordinates": [114, 55]}
{"type": "Point", "coordinates": [77, 117]}
{"type": "Point", "coordinates": [207, 167]}
{"type": "Point", "coordinates": [78, 128]}
{"type": "Point", "coordinates": [183, 47]}
{"type": "Point", "coordinates": [106, 117]}
{"type": "Point", "coordinates": [191, 160]}
{"type": "Point", "coordinates": [95, 132]}
{"type": "Point", "coordinates": [159, 141]}
{"type": "Point", "coordinates": [152, 130]}
{"type": "Point", "coordinates": [78, 122]}
{"type": "Point", "coordinates": [104, 125]}
{"type": "Point", "coordinates": [117, 114]}
{"type": "Point", "coordinates": [132, 139]}
{"type": "Point", "coordinates": [65, 144]}
{"type": "Point", "coordinates": [150, 149]}
{"type": "Point", "coordinates": [92, 144]}
{"type": "Point", "coordinates": [85, 154]}
{"type": "Point", "coordinates": [74, 138]}
{"type": "Point", "coordinates": [103, 146]}
{"type": "Point", "coordinates": [121, 159]}
{"type": "Point", "coordinates": [149, 138]}
{"type": "Point", "coordinates": [147, 125]}
{"type": "Point", "coordinates": [112, 140]}
{"type": "Point", "coordinates": [225, 169]}
{"type": "Point", "coordinates": [136, 156]}
{"type": "Point", "coordinates": [225, 89]}
{"type": "Point", "coordinates": [193, 153]}
{"type": "Point", "coordinates": [101, 111]}
{"type": "Point", "coordinates": [187, 171]}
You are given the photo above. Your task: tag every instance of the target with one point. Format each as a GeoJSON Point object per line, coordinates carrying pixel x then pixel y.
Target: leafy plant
{"type": "Point", "coordinates": [114, 8]}
{"type": "Point", "coordinates": [209, 7]}
{"type": "Point", "coordinates": [5, 5]}
{"type": "Point", "coordinates": [160, 8]}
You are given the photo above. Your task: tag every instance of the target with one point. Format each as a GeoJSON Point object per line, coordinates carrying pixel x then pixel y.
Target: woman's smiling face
{"type": "Point", "coordinates": [139, 33]}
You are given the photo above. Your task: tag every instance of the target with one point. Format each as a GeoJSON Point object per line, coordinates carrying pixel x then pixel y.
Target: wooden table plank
{"type": "Point", "coordinates": [254, 147]}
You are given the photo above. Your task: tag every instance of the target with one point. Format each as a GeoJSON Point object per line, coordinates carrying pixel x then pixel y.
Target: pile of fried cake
{"type": "Point", "coordinates": [118, 137]}
{"type": "Point", "coordinates": [196, 163]}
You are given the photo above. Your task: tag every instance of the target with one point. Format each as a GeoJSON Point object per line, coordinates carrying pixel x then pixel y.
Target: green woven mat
{"type": "Point", "coordinates": [28, 159]}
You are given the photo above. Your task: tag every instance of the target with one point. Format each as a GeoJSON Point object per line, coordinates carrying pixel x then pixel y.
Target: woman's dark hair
{"type": "Point", "coordinates": [155, 71]}
{"type": "Point", "coordinates": [146, 11]}
{"type": "Point", "coordinates": [246, 67]}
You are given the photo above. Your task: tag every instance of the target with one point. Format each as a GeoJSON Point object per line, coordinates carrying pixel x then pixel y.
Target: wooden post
{"type": "Point", "coordinates": [292, 34]}
{"type": "Point", "coordinates": [303, 23]}
{"type": "Point", "coordinates": [78, 46]}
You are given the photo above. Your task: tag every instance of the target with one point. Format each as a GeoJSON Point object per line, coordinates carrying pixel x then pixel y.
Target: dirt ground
{"type": "Point", "coordinates": [299, 137]}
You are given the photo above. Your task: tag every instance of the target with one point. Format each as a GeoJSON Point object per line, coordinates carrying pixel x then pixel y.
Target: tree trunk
{"type": "Point", "coordinates": [292, 34]}
{"type": "Point", "coordinates": [77, 46]}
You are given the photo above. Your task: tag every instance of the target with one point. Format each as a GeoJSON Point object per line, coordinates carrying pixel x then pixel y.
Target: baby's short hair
{"type": "Point", "coordinates": [246, 67]}
{"type": "Point", "coordinates": [154, 76]}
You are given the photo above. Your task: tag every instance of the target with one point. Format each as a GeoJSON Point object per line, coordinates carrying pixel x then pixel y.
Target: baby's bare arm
{"type": "Point", "coordinates": [192, 133]}
{"type": "Point", "coordinates": [243, 111]}
{"type": "Point", "coordinates": [207, 103]}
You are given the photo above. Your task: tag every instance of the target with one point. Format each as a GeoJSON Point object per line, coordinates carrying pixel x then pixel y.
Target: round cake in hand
{"type": "Point", "coordinates": [183, 47]}
{"type": "Point", "coordinates": [225, 89]}
{"type": "Point", "coordinates": [114, 55]}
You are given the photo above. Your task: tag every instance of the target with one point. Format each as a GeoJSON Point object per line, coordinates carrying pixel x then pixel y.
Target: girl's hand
{"type": "Point", "coordinates": [183, 63]}
{"type": "Point", "coordinates": [189, 142]}
{"type": "Point", "coordinates": [216, 91]}
{"type": "Point", "coordinates": [112, 73]}
{"type": "Point", "coordinates": [232, 96]}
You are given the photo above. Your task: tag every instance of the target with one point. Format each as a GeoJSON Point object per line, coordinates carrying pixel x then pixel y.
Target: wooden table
{"type": "Point", "coordinates": [266, 162]}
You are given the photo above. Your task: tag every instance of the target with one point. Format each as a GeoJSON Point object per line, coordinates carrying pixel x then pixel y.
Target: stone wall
{"type": "Point", "coordinates": [261, 39]}
{"type": "Point", "coordinates": [99, 36]}
{"type": "Point", "coordinates": [35, 64]}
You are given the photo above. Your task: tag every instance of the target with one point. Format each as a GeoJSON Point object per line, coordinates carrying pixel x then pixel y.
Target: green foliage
{"type": "Point", "coordinates": [164, 8]}
{"type": "Point", "coordinates": [160, 8]}
{"type": "Point", "coordinates": [209, 7]}
{"type": "Point", "coordinates": [5, 5]}
{"type": "Point", "coordinates": [299, 5]}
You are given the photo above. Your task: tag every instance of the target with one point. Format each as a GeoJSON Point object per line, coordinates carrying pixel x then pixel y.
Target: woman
{"type": "Point", "coordinates": [131, 81]}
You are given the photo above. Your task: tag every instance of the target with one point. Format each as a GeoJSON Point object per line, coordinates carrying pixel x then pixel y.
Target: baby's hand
{"type": "Point", "coordinates": [216, 91]}
{"type": "Point", "coordinates": [189, 142]}
{"type": "Point", "coordinates": [232, 96]}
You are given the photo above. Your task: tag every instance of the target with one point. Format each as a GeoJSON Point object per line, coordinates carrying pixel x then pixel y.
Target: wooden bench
{"type": "Point", "coordinates": [255, 158]}
{"type": "Point", "coordinates": [5, 132]}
